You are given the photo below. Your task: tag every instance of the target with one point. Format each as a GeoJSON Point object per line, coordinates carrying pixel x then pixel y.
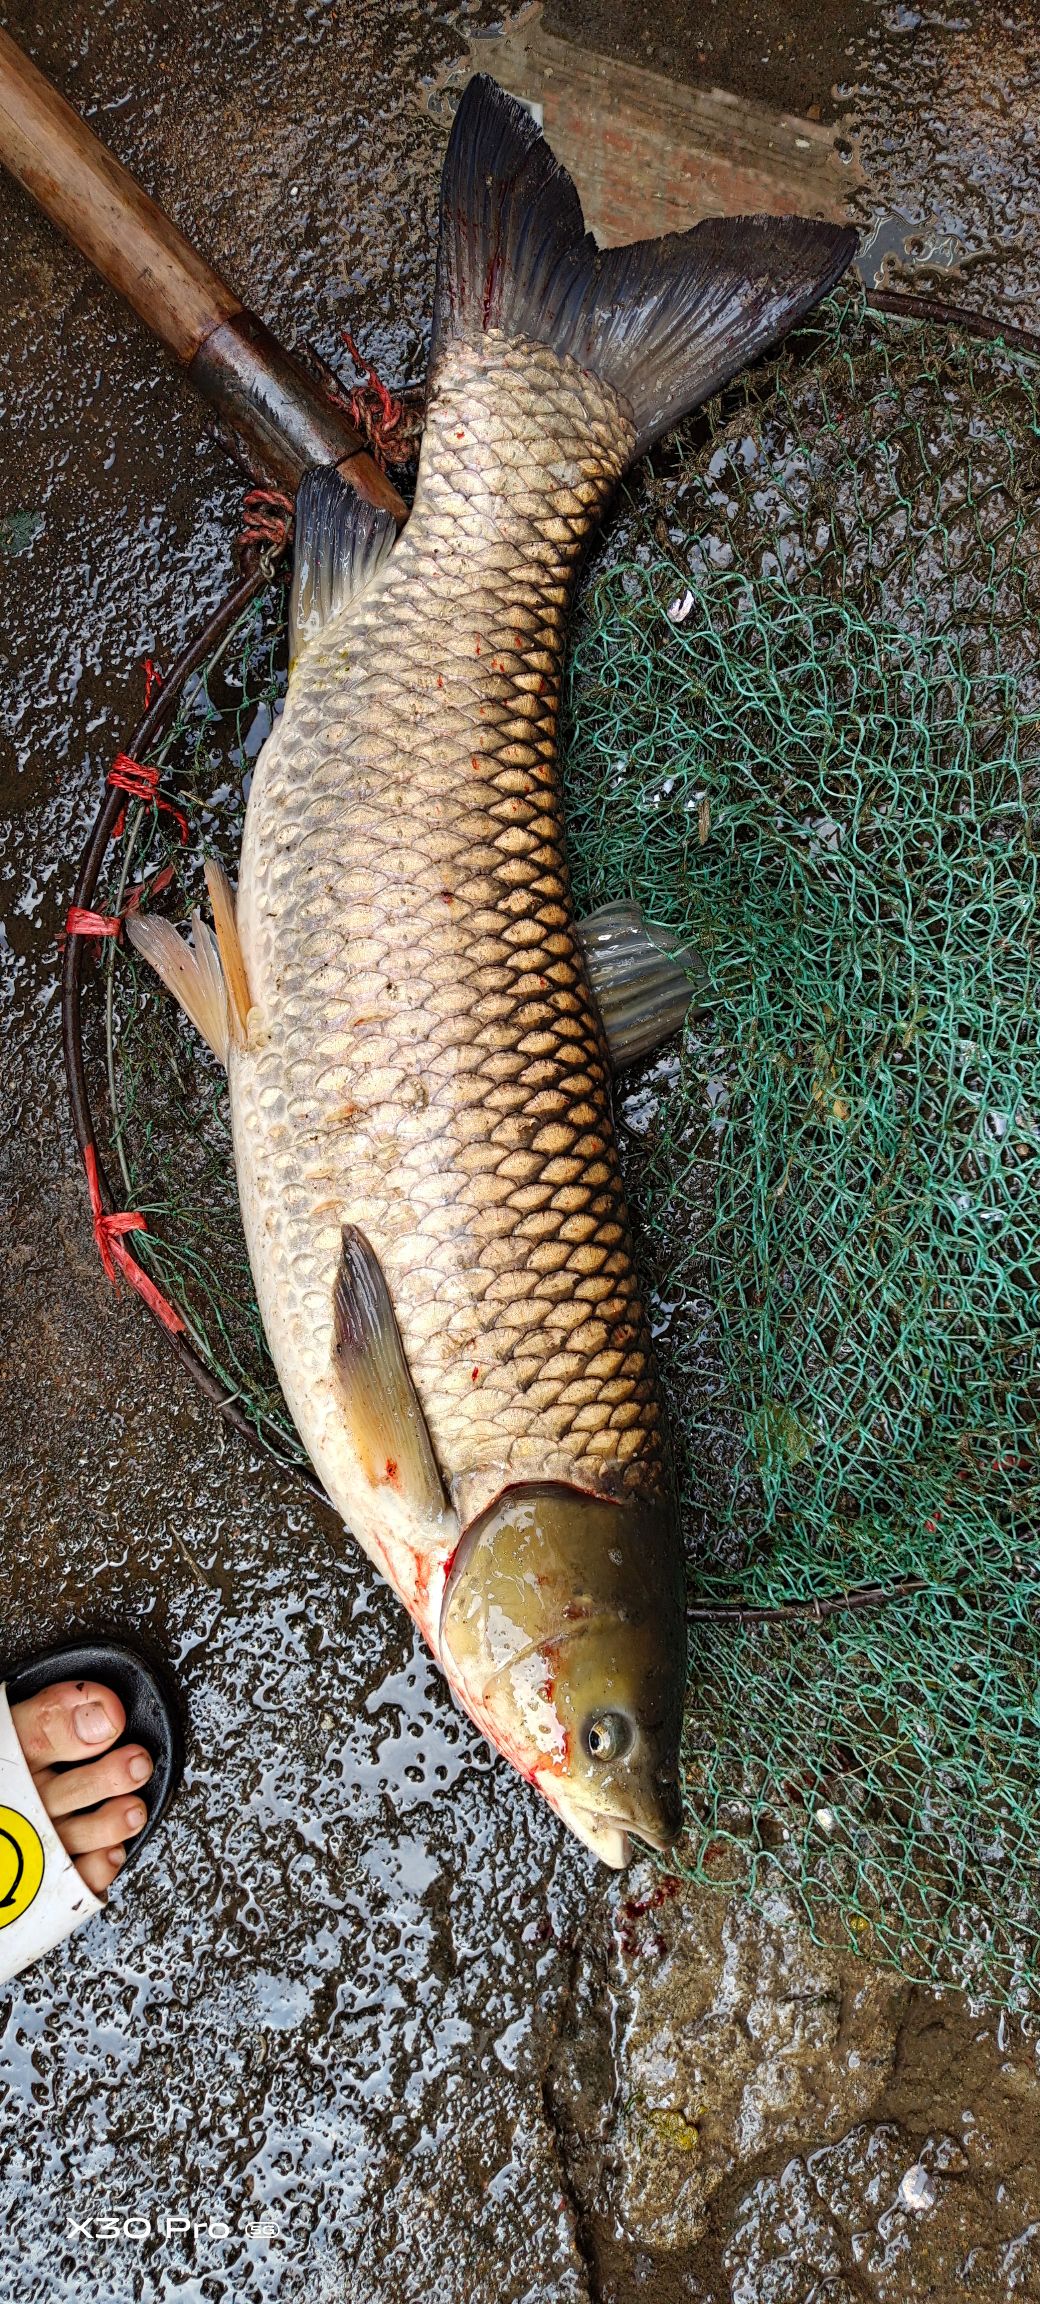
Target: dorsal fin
{"type": "Point", "coordinates": [644, 981]}
{"type": "Point", "coordinates": [340, 542]}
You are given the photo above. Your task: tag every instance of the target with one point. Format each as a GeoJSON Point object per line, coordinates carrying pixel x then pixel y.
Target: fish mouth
{"type": "Point", "coordinates": [610, 1837]}
{"type": "Point", "coordinates": [662, 1840]}
{"type": "Point", "coordinates": [607, 1838]}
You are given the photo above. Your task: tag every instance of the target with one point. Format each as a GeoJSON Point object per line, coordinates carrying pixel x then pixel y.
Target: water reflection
{"type": "Point", "coordinates": [651, 154]}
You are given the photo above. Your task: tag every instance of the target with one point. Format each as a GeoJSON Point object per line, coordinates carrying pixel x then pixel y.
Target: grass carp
{"type": "Point", "coordinates": [413, 1020]}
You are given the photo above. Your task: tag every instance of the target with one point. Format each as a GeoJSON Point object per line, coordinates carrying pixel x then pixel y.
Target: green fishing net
{"type": "Point", "coordinates": [803, 728]}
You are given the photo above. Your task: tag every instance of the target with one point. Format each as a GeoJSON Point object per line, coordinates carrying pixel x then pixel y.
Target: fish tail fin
{"type": "Point", "coordinates": [666, 322]}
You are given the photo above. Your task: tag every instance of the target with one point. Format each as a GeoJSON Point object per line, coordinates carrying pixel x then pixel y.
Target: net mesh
{"type": "Point", "coordinates": [163, 1113]}
{"type": "Point", "coordinates": [802, 728]}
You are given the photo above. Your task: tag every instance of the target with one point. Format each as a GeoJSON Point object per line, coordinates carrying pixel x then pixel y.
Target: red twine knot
{"type": "Point", "coordinates": [376, 411]}
{"type": "Point", "coordinates": [109, 1233]}
{"type": "Point", "coordinates": [141, 782]}
{"type": "Point", "coordinates": [80, 922]}
{"type": "Point", "coordinates": [267, 519]}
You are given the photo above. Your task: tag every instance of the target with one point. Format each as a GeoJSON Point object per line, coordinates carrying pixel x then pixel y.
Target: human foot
{"type": "Point", "coordinates": [75, 1802]}
{"type": "Point", "coordinates": [94, 1806]}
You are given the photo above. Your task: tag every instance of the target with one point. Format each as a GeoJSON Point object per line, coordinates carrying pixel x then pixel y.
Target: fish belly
{"type": "Point", "coordinates": [425, 1058]}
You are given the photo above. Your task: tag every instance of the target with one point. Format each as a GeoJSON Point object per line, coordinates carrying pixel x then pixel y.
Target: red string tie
{"type": "Point", "coordinates": [153, 681]}
{"type": "Point", "coordinates": [374, 409]}
{"type": "Point", "coordinates": [140, 781]}
{"type": "Point", "coordinates": [110, 1233]}
{"type": "Point", "coordinates": [149, 888]}
{"type": "Point", "coordinates": [80, 922]}
{"type": "Point", "coordinates": [266, 519]}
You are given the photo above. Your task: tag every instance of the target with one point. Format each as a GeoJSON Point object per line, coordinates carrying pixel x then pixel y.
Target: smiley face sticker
{"type": "Point", "coordinates": [21, 1865]}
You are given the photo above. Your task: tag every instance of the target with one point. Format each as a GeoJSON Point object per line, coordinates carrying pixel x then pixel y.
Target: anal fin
{"type": "Point", "coordinates": [645, 983]}
{"type": "Point", "coordinates": [380, 1401]}
{"type": "Point", "coordinates": [340, 543]}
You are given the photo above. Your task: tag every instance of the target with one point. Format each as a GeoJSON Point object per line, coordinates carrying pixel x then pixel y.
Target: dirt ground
{"type": "Point", "coordinates": [364, 2027]}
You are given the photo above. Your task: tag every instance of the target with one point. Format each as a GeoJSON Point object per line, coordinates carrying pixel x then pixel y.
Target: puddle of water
{"type": "Point", "coordinates": [940, 112]}
{"type": "Point", "coordinates": [652, 154]}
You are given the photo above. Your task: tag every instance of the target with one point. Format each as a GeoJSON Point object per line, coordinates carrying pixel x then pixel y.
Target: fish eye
{"type": "Point", "coordinates": [608, 1736]}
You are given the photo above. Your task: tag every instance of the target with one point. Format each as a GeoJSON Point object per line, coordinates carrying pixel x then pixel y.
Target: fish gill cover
{"type": "Point", "coordinates": [803, 729]}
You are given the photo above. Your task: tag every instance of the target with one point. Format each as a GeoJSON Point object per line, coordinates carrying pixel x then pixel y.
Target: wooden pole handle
{"type": "Point", "coordinates": [94, 200]}
{"type": "Point", "coordinates": [278, 418]}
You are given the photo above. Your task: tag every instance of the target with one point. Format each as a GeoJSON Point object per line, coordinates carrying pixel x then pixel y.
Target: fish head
{"type": "Point", "coordinates": [562, 1632]}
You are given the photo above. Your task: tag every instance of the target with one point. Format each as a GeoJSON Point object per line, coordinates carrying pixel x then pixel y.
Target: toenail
{"type": "Point", "coordinates": [135, 1815]}
{"type": "Point", "coordinates": [116, 1855]}
{"type": "Point", "coordinates": [91, 1723]}
{"type": "Point", "coordinates": [140, 1769]}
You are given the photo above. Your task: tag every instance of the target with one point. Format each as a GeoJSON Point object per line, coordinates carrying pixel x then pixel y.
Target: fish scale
{"type": "Point", "coordinates": [431, 1036]}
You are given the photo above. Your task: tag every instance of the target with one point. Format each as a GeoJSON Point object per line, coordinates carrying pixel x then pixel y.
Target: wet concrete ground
{"type": "Point", "coordinates": [363, 2006]}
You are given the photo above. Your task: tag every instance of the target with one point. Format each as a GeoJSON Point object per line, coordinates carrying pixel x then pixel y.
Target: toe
{"type": "Point", "coordinates": [69, 1721]}
{"type": "Point", "coordinates": [104, 1827]}
{"type": "Point", "coordinates": [64, 1790]}
{"type": "Point", "coordinates": [100, 1869]}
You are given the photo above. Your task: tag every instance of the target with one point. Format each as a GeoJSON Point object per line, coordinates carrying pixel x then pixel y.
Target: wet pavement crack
{"type": "Point", "coordinates": [561, 2133]}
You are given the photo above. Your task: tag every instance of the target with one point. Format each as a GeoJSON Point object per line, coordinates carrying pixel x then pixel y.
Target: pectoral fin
{"type": "Point", "coordinates": [644, 981]}
{"type": "Point", "coordinates": [386, 1422]}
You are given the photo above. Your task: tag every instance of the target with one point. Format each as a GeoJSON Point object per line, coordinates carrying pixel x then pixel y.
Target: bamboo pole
{"type": "Point", "coordinates": [276, 418]}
